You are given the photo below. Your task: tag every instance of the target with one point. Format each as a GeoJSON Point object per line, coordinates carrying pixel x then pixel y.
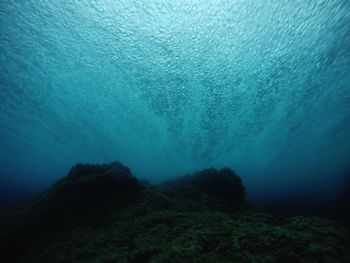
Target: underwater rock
{"type": "Point", "coordinates": [219, 189]}
{"type": "Point", "coordinates": [88, 189]}
{"type": "Point", "coordinates": [223, 183]}
{"type": "Point", "coordinates": [343, 202]}
{"type": "Point", "coordinates": [88, 195]}
{"type": "Point", "coordinates": [83, 170]}
{"type": "Point", "coordinates": [101, 213]}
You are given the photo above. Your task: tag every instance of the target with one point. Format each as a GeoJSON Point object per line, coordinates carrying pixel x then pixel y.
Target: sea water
{"type": "Point", "coordinates": [171, 87]}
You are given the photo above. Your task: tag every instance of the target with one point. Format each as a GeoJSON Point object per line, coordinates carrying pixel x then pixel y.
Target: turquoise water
{"type": "Point", "coordinates": [169, 87]}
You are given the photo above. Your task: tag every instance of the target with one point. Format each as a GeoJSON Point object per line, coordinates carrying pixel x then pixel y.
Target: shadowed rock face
{"type": "Point", "coordinates": [344, 201]}
{"type": "Point", "coordinates": [217, 189]}
{"type": "Point", "coordinates": [91, 188]}
{"type": "Point", "coordinates": [114, 169]}
{"type": "Point", "coordinates": [223, 183]}
{"type": "Point", "coordinates": [86, 196]}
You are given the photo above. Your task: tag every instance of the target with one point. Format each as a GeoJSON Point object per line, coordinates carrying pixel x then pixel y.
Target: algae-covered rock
{"type": "Point", "coordinates": [218, 189]}
{"type": "Point", "coordinates": [182, 222]}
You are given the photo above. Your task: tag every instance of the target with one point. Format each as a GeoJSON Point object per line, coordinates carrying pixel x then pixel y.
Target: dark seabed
{"type": "Point", "coordinates": [229, 121]}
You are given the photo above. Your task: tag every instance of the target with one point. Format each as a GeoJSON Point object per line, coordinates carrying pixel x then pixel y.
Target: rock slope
{"type": "Point", "coordinates": [101, 213]}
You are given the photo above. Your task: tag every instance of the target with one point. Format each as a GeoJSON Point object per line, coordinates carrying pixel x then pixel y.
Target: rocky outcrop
{"type": "Point", "coordinates": [92, 188]}
{"type": "Point", "coordinates": [216, 189]}
{"type": "Point", "coordinates": [102, 213]}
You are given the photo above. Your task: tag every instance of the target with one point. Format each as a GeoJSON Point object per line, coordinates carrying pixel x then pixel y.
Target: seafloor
{"type": "Point", "coordinates": [101, 213]}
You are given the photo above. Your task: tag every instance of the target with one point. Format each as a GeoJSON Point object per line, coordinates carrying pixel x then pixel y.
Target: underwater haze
{"type": "Point", "coordinates": [171, 87]}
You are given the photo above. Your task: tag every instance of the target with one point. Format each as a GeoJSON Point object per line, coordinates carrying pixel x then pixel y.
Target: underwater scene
{"type": "Point", "coordinates": [211, 131]}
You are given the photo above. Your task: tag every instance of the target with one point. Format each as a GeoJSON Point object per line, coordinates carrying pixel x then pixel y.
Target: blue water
{"type": "Point", "coordinates": [170, 87]}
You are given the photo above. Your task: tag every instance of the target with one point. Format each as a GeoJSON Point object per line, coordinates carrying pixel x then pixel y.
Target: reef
{"type": "Point", "coordinates": [102, 213]}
